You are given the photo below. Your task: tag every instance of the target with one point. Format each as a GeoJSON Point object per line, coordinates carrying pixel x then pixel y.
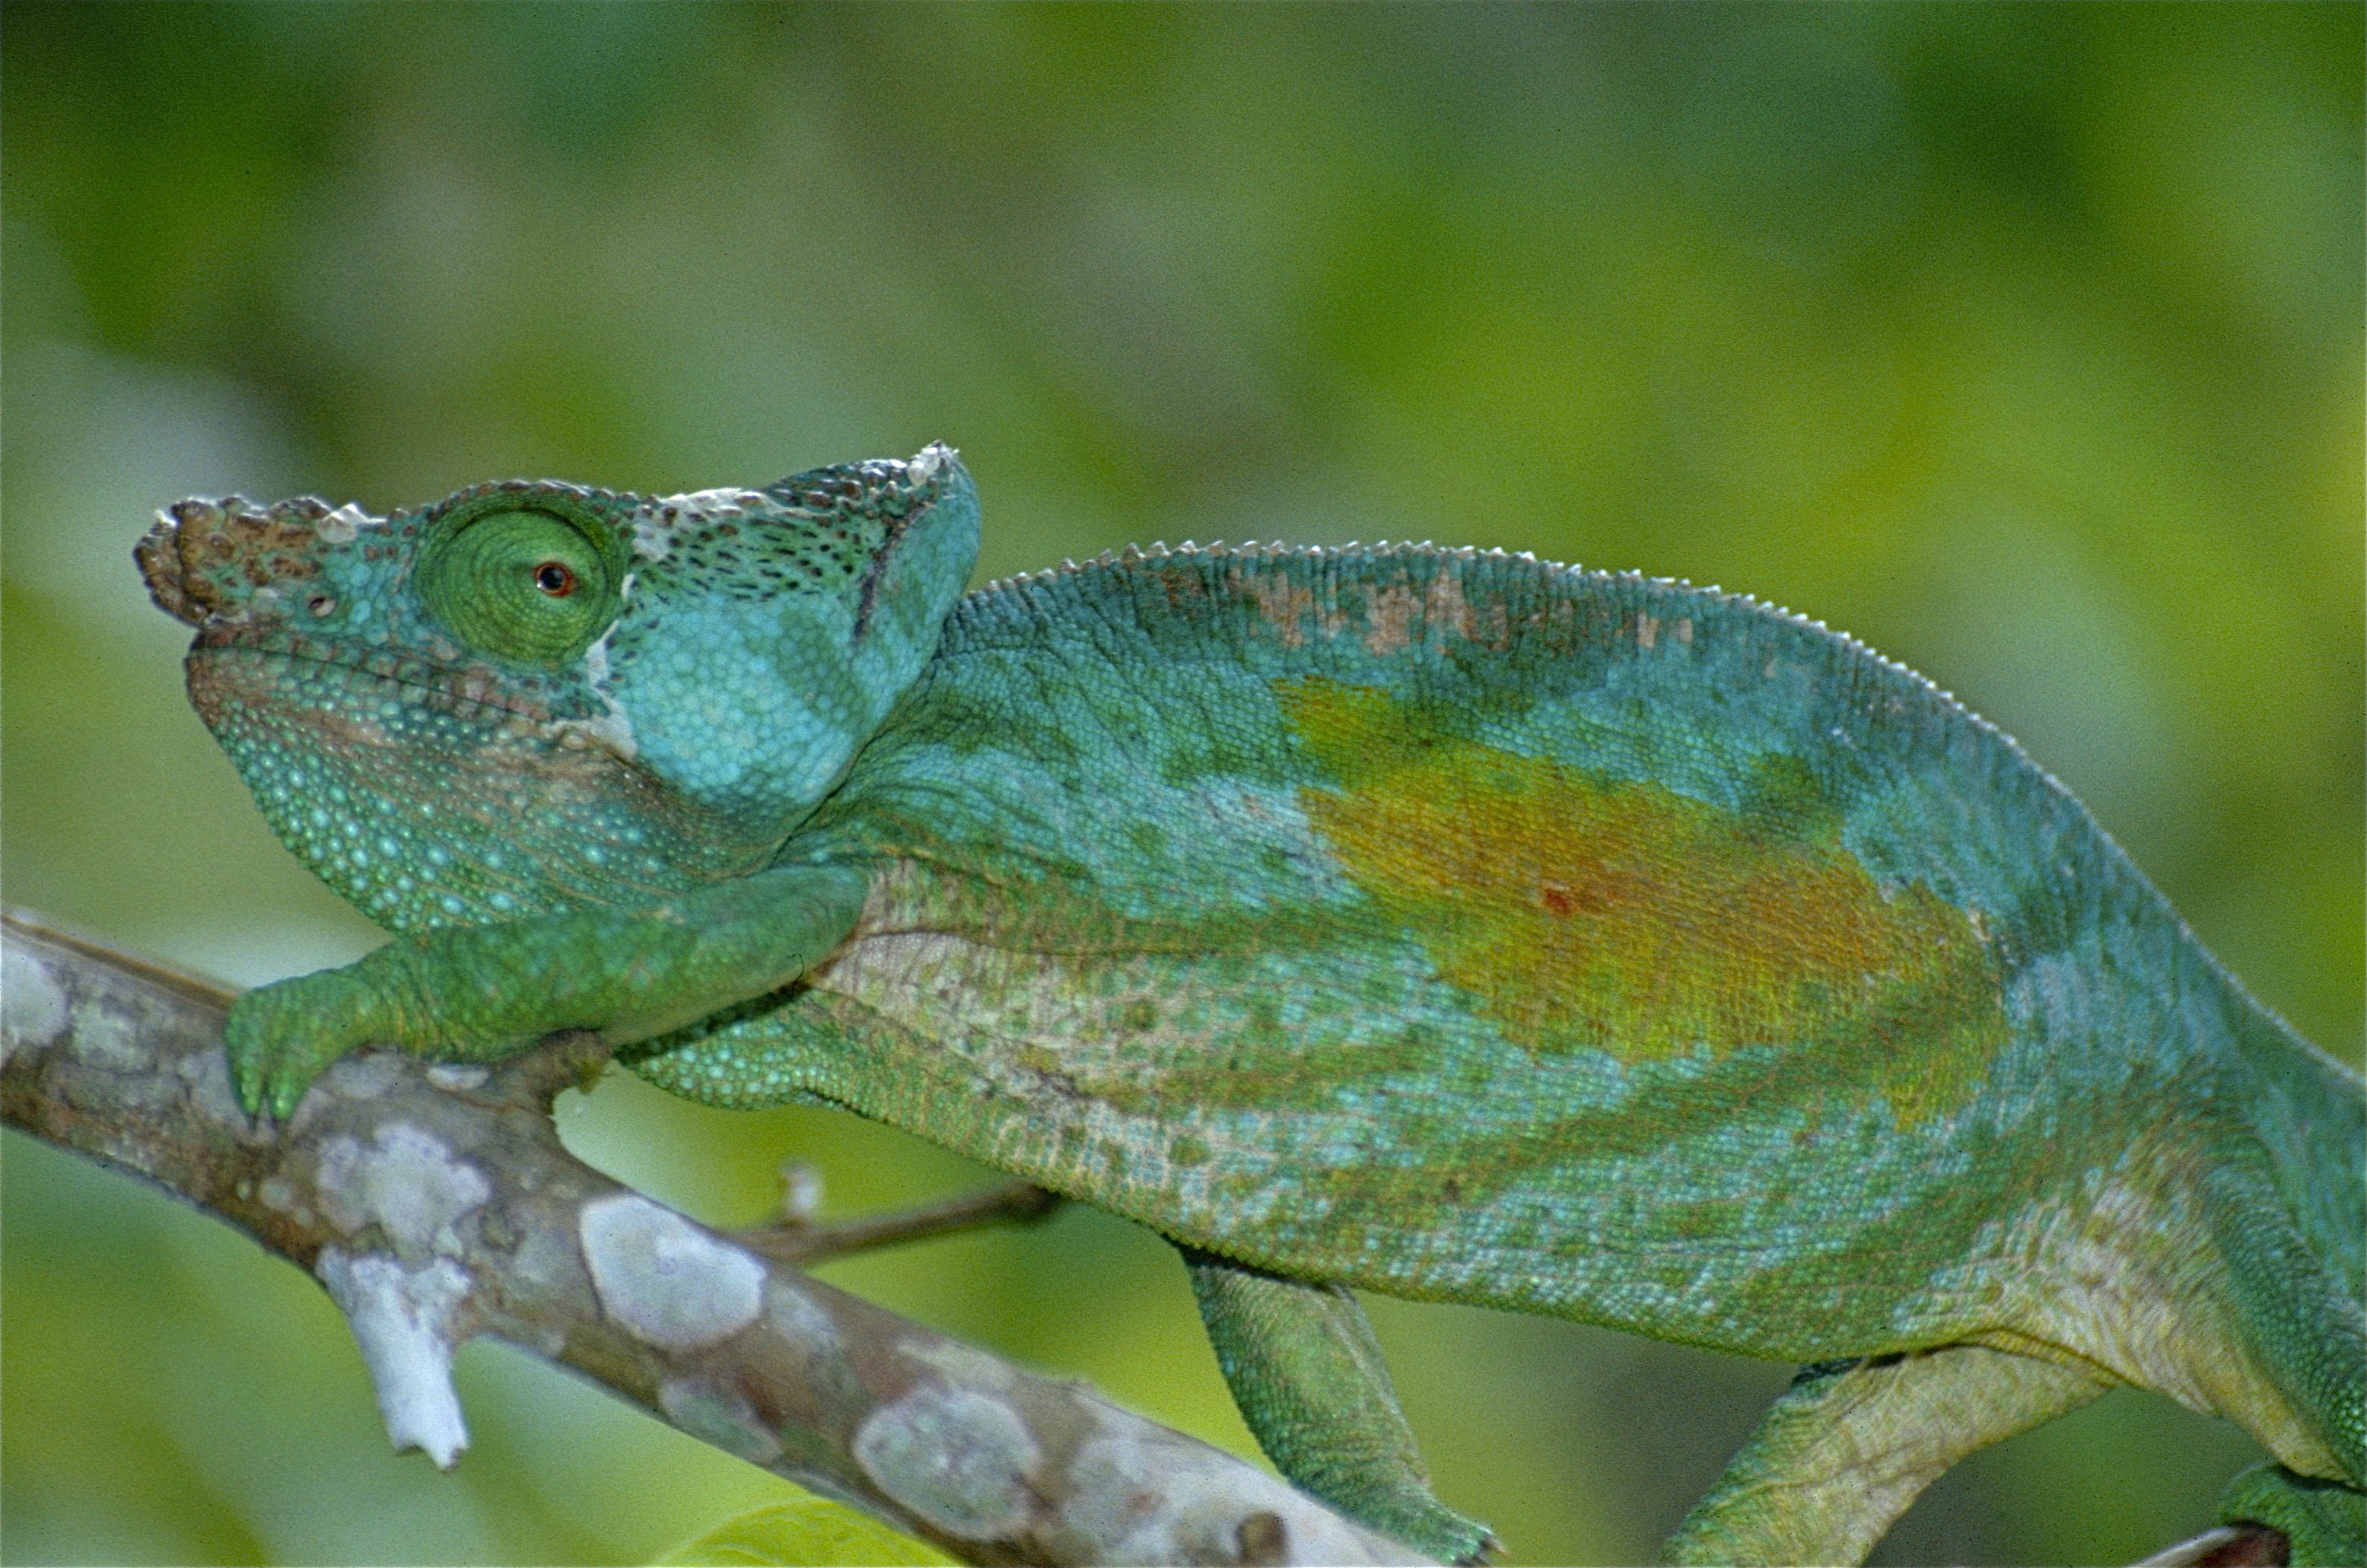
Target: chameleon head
{"type": "Point", "coordinates": [534, 696]}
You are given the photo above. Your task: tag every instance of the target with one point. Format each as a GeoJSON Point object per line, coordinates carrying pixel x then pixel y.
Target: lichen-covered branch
{"type": "Point", "coordinates": [2227, 1546]}
{"type": "Point", "coordinates": [436, 1203]}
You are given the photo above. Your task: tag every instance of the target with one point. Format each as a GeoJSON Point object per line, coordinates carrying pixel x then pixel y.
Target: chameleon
{"type": "Point", "coordinates": [1437, 922]}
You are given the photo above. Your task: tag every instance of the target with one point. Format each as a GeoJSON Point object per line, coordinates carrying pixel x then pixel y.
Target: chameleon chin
{"type": "Point", "coordinates": [1437, 922]}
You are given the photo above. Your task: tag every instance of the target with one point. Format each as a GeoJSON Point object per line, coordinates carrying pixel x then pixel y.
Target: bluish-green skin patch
{"type": "Point", "coordinates": [1446, 924]}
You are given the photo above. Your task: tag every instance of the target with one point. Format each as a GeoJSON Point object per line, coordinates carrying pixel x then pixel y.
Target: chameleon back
{"type": "Point", "coordinates": [1455, 925]}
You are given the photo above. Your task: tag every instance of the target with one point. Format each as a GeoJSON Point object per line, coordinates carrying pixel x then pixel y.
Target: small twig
{"type": "Point", "coordinates": [804, 1243]}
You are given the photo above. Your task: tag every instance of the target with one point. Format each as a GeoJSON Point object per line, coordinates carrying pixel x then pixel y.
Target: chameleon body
{"type": "Point", "coordinates": [1435, 922]}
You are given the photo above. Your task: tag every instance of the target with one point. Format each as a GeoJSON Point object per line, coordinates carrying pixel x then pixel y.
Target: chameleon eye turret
{"type": "Point", "coordinates": [531, 584]}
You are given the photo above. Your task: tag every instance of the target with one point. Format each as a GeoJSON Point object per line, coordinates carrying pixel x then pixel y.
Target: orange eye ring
{"type": "Point", "coordinates": [555, 579]}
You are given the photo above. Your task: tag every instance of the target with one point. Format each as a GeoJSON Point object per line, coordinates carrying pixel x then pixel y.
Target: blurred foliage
{"type": "Point", "coordinates": [2023, 342]}
{"type": "Point", "coordinates": [811, 1531]}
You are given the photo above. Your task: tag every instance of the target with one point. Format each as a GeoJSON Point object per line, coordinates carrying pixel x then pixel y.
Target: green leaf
{"type": "Point", "coordinates": [812, 1532]}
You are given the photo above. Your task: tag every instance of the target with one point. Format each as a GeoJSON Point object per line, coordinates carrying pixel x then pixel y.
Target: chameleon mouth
{"type": "Point", "coordinates": [244, 575]}
{"type": "Point", "coordinates": [230, 659]}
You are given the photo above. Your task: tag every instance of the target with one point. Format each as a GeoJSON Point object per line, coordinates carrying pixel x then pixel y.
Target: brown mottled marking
{"type": "Point", "coordinates": [1581, 911]}
{"type": "Point", "coordinates": [1390, 617]}
{"type": "Point", "coordinates": [1281, 603]}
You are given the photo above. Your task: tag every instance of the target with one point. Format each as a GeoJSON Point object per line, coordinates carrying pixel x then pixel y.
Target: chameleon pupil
{"type": "Point", "coordinates": [554, 579]}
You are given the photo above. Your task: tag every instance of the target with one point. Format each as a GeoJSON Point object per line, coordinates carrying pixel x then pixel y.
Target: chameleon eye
{"type": "Point", "coordinates": [519, 582]}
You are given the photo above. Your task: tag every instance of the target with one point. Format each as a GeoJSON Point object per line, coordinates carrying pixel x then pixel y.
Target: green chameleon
{"type": "Point", "coordinates": [1435, 922]}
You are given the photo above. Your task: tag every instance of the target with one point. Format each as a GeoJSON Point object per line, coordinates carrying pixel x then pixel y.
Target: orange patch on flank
{"type": "Point", "coordinates": [1582, 911]}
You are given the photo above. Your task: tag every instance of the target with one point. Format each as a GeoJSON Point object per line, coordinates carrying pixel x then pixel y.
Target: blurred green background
{"type": "Point", "coordinates": [2023, 342]}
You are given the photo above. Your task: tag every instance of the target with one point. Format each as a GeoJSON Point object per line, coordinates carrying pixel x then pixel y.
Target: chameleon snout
{"type": "Point", "coordinates": [230, 559]}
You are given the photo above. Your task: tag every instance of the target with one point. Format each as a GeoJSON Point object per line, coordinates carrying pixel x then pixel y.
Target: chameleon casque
{"type": "Point", "coordinates": [1437, 922]}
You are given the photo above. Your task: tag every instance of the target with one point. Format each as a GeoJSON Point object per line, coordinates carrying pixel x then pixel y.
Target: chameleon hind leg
{"type": "Point", "coordinates": [1849, 1445]}
{"type": "Point", "coordinates": [2304, 1322]}
{"type": "Point", "coordinates": [1308, 1374]}
{"type": "Point", "coordinates": [2300, 1317]}
{"type": "Point", "coordinates": [2324, 1522]}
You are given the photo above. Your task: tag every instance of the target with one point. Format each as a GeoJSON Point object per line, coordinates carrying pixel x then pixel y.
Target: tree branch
{"type": "Point", "coordinates": [435, 1203]}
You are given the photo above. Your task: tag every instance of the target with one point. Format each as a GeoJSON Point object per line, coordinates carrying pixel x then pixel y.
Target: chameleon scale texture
{"type": "Point", "coordinates": [1277, 948]}
{"type": "Point", "coordinates": [1442, 923]}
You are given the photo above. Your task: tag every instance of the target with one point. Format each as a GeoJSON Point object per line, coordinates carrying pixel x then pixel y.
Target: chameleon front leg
{"type": "Point", "coordinates": [1308, 1374]}
{"type": "Point", "coordinates": [480, 993]}
{"type": "Point", "coordinates": [1851, 1444]}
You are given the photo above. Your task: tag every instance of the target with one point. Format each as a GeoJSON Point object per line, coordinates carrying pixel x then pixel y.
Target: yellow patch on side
{"type": "Point", "coordinates": [1588, 912]}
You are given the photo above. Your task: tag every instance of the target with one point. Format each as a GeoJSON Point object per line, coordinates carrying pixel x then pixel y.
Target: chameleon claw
{"type": "Point", "coordinates": [279, 1038]}
{"type": "Point", "coordinates": [287, 1091]}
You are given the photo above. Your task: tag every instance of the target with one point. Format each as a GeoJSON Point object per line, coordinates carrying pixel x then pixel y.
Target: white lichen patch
{"type": "Point", "coordinates": [958, 1459]}
{"type": "Point", "coordinates": [207, 1073]}
{"type": "Point", "coordinates": [402, 1322]}
{"type": "Point", "coordinates": [960, 1363]}
{"type": "Point", "coordinates": [718, 1417]}
{"type": "Point", "coordinates": [458, 1076]}
{"type": "Point", "coordinates": [110, 1042]}
{"type": "Point", "coordinates": [33, 1008]}
{"type": "Point", "coordinates": [406, 1182]}
{"type": "Point", "coordinates": [364, 1076]}
{"type": "Point", "coordinates": [280, 1195]}
{"type": "Point", "coordinates": [662, 1277]}
{"type": "Point", "coordinates": [792, 1315]}
{"type": "Point", "coordinates": [1139, 1495]}
{"type": "Point", "coordinates": [542, 1261]}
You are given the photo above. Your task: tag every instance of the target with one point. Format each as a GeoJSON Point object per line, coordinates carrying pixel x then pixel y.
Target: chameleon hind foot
{"type": "Point", "coordinates": [1308, 1374]}
{"type": "Point", "coordinates": [2324, 1522]}
{"type": "Point", "coordinates": [1851, 1444]}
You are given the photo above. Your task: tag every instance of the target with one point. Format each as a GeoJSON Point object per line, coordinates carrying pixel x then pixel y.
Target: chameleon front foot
{"type": "Point", "coordinates": [282, 1037]}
